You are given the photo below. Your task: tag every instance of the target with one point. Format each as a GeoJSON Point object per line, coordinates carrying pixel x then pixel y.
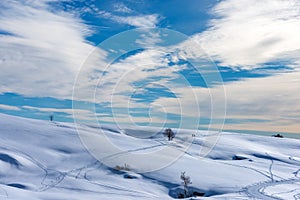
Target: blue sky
{"type": "Point", "coordinates": [189, 64]}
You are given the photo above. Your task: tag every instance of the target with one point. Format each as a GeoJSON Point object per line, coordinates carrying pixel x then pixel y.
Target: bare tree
{"type": "Point", "coordinates": [169, 133]}
{"type": "Point", "coordinates": [186, 180]}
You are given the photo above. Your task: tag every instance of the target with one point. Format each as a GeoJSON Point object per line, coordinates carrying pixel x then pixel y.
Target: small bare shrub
{"type": "Point", "coordinates": [186, 180]}
{"type": "Point", "coordinates": [126, 167]}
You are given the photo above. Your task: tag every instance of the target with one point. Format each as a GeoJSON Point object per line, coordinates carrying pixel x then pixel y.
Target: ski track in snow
{"type": "Point", "coordinates": [50, 183]}
{"type": "Point", "coordinates": [257, 191]}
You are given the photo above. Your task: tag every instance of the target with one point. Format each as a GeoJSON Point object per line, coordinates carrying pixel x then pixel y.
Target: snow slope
{"type": "Point", "coordinates": [47, 160]}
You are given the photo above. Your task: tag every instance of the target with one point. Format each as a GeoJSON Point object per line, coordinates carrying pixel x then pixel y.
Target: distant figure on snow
{"type": "Point", "coordinates": [51, 118]}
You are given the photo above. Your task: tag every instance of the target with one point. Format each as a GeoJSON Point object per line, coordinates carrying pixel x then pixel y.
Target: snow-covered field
{"type": "Point", "coordinates": [47, 160]}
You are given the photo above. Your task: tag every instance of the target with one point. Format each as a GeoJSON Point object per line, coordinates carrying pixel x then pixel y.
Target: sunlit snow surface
{"type": "Point", "coordinates": [46, 160]}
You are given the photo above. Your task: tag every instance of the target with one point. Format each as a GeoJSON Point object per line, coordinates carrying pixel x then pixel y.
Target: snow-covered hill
{"type": "Point", "coordinates": [47, 160]}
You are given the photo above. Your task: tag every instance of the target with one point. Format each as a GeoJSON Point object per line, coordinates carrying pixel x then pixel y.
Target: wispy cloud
{"type": "Point", "coordinates": [269, 103]}
{"type": "Point", "coordinates": [248, 33]}
{"type": "Point", "coordinates": [122, 8]}
{"type": "Point", "coordinates": [42, 50]}
{"type": "Point", "coordinates": [138, 21]}
{"type": "Point", "coordinates": [85, 115]}
{"type": "Point", "coordinates": [142, 21]}
{"type": "Point", "coordinates": [8, 107]}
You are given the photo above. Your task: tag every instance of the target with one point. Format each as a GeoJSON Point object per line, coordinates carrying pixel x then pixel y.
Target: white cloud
{"type": "Point", "coordinates": [8, 107]}
{"type": "Point", "coordinates": [122, 8]}
{"type": "Point", "coordinates": [269, 104]}
{"type": "Point", "coordinates": [248, 33]}
{"type": "Point", "coordinates": [127, 119]}
{"type": "Point", "coordinates": [138, 21]}
{"type": "Point", "coordinates": [42, 51]}
{"type": "Point", "coordinates": [85, 115]}
{"type": "Point", "coordinates": [142, 21]}
{"type": "Point", "coordinates": [69, 111]}
{"type": "Point", "coordinates": [118, 83]}
{"type": "Point", "coordinates": [273, 98]}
